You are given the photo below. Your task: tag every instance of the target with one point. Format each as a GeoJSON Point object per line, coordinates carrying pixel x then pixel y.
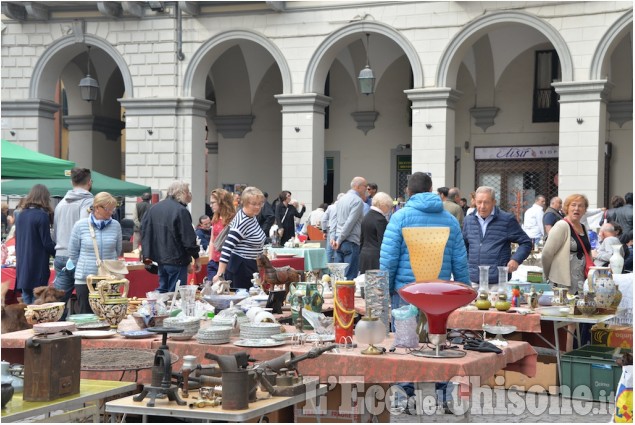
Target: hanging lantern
{"type": "Point", "coordinates": [88, 86]}
{"type": "Point", "coordinates": [366, 76]}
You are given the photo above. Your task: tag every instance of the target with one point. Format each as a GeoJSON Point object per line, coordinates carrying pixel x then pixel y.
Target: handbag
{"type": "Point", "coordinates": [115, 268]}
{"type": "Point", "coordinates": [220, 239]}
{"type": "Point", "coordinates": [588, 260]}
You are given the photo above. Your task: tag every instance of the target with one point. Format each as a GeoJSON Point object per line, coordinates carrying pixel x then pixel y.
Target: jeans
{"type": "Point", "coordinates": [349, 253]}
{"type": "Point", "coordinates": [64, 279]}
{"type": "Point", "coordinates": [442, 389]}
{"type": "Point", "coordinates": [27, 296]}
{"type": "Point", "coordinates": [212, 269]}
{"type": "Point", "coordinates": [330, 254]}
{"type": "Point", "coordinates": [169, 274]}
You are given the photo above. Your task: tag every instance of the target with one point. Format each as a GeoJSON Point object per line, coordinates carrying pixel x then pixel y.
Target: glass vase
{"type": "Point", "coordinates": [377, 295]}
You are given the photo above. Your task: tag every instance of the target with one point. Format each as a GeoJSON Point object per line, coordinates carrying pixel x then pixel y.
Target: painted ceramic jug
{"type": "Point", "coordinates": [601, 282]}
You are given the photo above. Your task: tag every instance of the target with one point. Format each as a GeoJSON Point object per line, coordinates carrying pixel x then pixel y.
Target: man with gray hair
{"type": "Point", "coordinates": [450, 204]}
{"type": "Point", "coordinates": [489, 232]}
{"type": "Point", "coordinates": [169, 238]}
{"type": "Point", "coordinates": [350, 212]}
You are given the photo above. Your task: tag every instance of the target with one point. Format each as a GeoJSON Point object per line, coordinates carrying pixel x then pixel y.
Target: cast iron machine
{"type": "Point", "coordinates": [279, 376]}
{"type": "Point", "coordinates": [161, 384]}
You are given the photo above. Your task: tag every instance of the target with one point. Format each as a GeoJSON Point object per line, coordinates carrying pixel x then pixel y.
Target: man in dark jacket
{"type": "Point", "coordinates": [266, 217]}
{"type": "Point", "coordinates": [204, 230]}
{"type": "Point", "coordinates": [488, 233]}
{"type": "Point", "coordinates": [169, 239]}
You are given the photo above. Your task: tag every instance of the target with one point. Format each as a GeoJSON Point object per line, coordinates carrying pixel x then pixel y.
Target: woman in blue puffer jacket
{"type": "Point", "coordinates": [423, 209]}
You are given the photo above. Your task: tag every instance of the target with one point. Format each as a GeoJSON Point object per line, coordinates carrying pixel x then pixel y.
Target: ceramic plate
{"type": "Point", "coordinates": [138, 334]}
{"type": "Point", "coordinates": [95, 334]}
{"type": "Point", "coordinates": [255, 343]}
{"type": "Point", "coordinates": [285, 255]}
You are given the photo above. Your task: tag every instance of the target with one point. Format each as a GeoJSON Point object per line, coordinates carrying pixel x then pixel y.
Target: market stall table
{"type": "Point", "coordinates": [258, 409]}
{"type": "Point", "coordinates": [314, 258]}
{"type": "Point", "coordinates": [469, 318]}
{"type": "Point", "coordinates": [89, 391]}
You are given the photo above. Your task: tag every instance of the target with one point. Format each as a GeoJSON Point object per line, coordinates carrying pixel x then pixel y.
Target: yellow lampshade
{"type": "Point", "coordinates": [426, 246]}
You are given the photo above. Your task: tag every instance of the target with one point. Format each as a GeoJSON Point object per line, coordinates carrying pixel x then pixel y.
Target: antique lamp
{"type": "Point", "coordinates": [437, 299]}
{"type": "Point", "coordinates": [434, 297]}
{"type": "Point", "coordinates": [88, 86]}
{"type": "Point", "coordinates": [370, 330]}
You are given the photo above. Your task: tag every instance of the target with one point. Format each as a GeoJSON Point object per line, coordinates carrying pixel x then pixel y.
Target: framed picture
{"type": "Point", "coordinates": [228, 187]}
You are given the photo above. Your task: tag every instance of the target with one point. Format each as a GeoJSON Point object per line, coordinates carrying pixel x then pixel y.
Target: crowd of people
{"type": "Point", "coordinates": [362, 228]}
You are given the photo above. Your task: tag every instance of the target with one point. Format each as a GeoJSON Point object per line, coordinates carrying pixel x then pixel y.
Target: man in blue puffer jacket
{"type": "Point", "coordinates": [423, 209]}
{"type": "Point", "coordinates": [489, 232]}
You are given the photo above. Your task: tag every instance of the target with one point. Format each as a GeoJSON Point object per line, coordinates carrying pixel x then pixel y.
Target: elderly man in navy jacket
{"type": "Point", "coordinates": [488, 233]}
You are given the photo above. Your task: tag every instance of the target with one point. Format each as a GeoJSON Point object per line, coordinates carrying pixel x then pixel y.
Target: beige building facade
{"type": "Point", "coordinates": [528, 97]}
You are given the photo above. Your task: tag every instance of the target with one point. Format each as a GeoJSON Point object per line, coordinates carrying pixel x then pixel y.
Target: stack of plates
{"type": "Point", "coordinates": [258, 330]}
{"type": "Point", "coordinates": [82, 319]}
{"type": "Point", "coordinates": [214, 335]}
{"type": "Point", "coordinates": [190, 326]}
{"type": "Point", "coordinates": [53, 327]}
{"type": "Point", "coordinates": [229, 321]}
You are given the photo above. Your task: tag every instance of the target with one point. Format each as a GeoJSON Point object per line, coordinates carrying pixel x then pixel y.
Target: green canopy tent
{"type": "Point", "coordinates": [19, 162]}
{"type": "Point", "coordinates": [59, 187]}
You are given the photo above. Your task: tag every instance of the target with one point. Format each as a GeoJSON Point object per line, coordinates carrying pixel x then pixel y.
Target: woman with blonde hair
{"type": "Point", "coordinates": [33, 242]}
{"type": "Point", "coordinates": [222, 204]}
{"type": "Point", "coordinates": [568, 247]}
{"type": "Point", "coordinates": [244, 243]}
{"type": "Point", "coordinates": [98, 228]}
{"type": "Point", "coordinates": [373, 227]}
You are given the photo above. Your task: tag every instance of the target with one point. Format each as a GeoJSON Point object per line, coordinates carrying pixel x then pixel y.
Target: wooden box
{"type": "Point", "coordinates": [51, 366]}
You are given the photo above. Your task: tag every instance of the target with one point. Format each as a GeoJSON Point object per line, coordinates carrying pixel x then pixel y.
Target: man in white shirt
{"type": "Point", "coordinates": [532, 224]}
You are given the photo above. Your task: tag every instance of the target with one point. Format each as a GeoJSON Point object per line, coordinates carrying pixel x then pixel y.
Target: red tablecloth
{"type": "Point", "coordinates": [348, 366]}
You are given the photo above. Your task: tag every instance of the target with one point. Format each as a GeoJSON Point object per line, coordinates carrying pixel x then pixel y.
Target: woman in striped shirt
{"type": "Point", "coordinates": [244, 243]}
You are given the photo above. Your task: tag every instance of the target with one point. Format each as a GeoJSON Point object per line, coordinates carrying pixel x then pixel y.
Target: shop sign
{"type": "Point", "coordinates": [516, 152]}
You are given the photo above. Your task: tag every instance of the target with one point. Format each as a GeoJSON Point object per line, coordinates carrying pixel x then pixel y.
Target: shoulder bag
{"type": "Point", "coordinates": [115, 268]}
{"type": "Point", "coordinates": [588, 260]}
{"type": "Point", "coordinates": [220, 239]}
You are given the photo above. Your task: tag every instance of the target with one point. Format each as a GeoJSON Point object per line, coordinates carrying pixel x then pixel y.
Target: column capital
{"type": "Point", "coordinates": [29, 108]}
{"type": "Point", "coordinates": [437, 97]}
{"type": "Point", "coordinates": [166, 106]}
{"type": "Point", "coordinates": [583, 91]}
{"type": "Point", "coordinates": [307, 102]}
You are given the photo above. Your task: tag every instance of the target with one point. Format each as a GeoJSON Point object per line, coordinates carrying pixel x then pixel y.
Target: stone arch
{"type": "Point", "coordinates": [56, 56]}
{"type": "Point", "coordinates": [605, 46]}
{"type": "Point", "coordinates": [453, 54]}
{"type": "Point", "coordinates": [328, 49]}
{"type": "Point", "coordinates": [204, 57]}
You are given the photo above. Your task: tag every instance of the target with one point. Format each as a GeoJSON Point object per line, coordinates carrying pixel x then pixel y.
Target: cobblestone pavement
{"type": "Point", "coordinates": [509, 406]}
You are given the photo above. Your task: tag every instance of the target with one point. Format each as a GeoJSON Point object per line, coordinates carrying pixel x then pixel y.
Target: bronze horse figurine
{"type": "Point", "coordinates": [276, 276]}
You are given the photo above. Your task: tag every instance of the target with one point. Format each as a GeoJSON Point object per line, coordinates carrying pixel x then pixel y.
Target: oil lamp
{"type": "Point", "coordinates": [437, 299]}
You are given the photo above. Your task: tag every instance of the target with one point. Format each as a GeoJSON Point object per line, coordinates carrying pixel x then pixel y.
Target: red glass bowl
{"type": "Point", "coordinates": [437, 299]}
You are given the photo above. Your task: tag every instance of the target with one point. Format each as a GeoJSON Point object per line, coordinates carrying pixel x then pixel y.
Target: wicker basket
{"type": "Point", "coordinates": [221, 302]}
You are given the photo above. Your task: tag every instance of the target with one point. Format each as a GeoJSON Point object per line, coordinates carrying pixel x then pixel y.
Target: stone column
{"type": "Point", "coordinates": [433, 124]}
{"type": "Point", "coordinates": [303, 146]}
{"type": "Point", "coordinates": [165, 141]}
{"type": "Point", "coordinates": [582, 135]}
{"type": "Point", "coordinates": [31, 121]}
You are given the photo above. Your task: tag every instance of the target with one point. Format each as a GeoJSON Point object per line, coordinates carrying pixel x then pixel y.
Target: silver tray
{"type": "Point", "coordinates": [256, 343]}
